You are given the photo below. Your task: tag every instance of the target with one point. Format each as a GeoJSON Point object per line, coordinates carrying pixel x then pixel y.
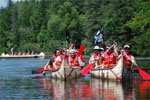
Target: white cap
{"type": "Point", "coordinates": [126, 46]}
{"type": "Point", "coordinates": [96, 47]}
{"type": "Point", "coordinates": [102, 49]}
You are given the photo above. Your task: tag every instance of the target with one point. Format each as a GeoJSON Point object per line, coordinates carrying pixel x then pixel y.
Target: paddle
{"type": "Point", "coordinates": [43, 68]}
{"type": "Point", "coordinates": [88, 68]}
{"type": "Point", "coordinates": [39, 70]}
{"type": "Point", "coordinates": [143, 73]}
{"type": "Point", "coordinates": [82, 47]}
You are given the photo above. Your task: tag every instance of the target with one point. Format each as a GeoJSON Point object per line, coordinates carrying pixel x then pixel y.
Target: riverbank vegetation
{"type": "Point", "coordinates": [41, 25]}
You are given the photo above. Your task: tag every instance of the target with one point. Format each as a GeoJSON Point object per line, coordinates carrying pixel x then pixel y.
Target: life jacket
{"type": "Point", "coordinates": [50, 66]}
{"type": "Point", "coordinates": [96, 57]}
{"type": "Point", "coordinates": [54, 56]}
{"type": "Point", "coordinates": [127, 61]}
{"type": "Point", "coordinates": [73, 62]}
{"type": "Point", "coordinates": [66, 57]}
{"type": "Point", "coordinates": [58, 63]}
{"type": "Point", "coordinates": [109, 60]}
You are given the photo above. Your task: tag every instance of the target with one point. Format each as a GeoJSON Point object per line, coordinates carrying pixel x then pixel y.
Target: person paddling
{"type": "Point", "coordinates": [60, 58]}
{"type": "Point", "coordinates": [96, 55]}
{"type": "Point", "coordinates": [109, 58]}
{"type": "Point", "coordinates": [49, 65]}
{"type": "Point", "coordinates": [129, 58]}
{"type": "Point", "coordinates": [75, 60]}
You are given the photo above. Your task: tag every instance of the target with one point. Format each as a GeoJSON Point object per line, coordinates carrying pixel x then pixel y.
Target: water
{"type": "Point", "coordinates": [17, 83]}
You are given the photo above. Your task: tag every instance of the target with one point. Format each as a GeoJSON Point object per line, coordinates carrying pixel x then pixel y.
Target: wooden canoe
{"type": "Point", "coordinates": [118, 72]}
{"type": "Point", "coordinates": [65, 72]}
{"type": "Point", "coordinates": [3, 56]}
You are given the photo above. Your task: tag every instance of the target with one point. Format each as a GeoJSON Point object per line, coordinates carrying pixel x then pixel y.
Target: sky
{"type": "Point", "coordinates": [3, 3]}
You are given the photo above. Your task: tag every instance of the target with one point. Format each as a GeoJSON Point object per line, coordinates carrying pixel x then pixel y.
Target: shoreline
{"type": "Point", "coordinates": [142, 58]}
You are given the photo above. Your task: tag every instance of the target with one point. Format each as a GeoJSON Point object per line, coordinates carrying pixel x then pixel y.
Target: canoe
{"type": "Point", "coordinates": [3, 56]}
{"type": "Point", "coordinates": [117, 72]}
{"type": "Point", "coordinates": [65, 72]}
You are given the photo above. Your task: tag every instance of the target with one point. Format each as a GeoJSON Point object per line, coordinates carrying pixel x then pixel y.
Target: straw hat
{"type": "Point", "coordinates": [102, 49]}
{"type": "Point", "coordinates": [96, 48]}
{"type": "Point", "coordinates": [126, 46]}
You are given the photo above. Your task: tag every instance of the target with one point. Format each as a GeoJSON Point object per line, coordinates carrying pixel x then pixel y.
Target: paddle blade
{"type": "Point", "coordinates": [82, 47]}
{"type": "Point", "coordinates": [38, 71]}
{"type": "Point", "coordinates": [87, 69]}
{"type": "Point", "coordinates": [144, 75]}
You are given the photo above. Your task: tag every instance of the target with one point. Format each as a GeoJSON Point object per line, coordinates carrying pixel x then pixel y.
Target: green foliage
{"type": "Point", "coordinates": [140, 24]}
{"type": "Point", "coordinates": [88, 45]}
{"type": "Point", "coordinates": [41, 25]}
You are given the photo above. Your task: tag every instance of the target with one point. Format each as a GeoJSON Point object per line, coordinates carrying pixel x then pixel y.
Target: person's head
{"type": "Point", "coordinates": [127, 48]}
{"type": "Point", "coordinates": [73, 53]}
{"type": "Point", "coordinates": [101, 50]}
{"type": "Point", "coordinates": [76, 51]}
{"type": "Point", "coordinates": [57, 52]}
{"type": "Point", "coordinates": [96, 49]}
{"type": "Point", "coordinates": [102, 45]}
{"type": "Point", "coordinates": [71, 46]}
{"type": "Point", "coordinates": [63, 51]}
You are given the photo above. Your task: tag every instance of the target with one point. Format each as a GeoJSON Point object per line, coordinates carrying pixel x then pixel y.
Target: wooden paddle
{"type": "Point", "coordinates": [39, 70]}
{"type": "Point", "coordinates": [88, 68]}
{"type": "Point", "coordinates": [143, 73]}
{"type": "Point", "coordinates": [82, 47]}
{"type": "Point", "coordinates": [44, 68]}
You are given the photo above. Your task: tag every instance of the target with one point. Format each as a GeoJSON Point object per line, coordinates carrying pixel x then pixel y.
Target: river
{"type": "Point", "coordinates": [17, 83]}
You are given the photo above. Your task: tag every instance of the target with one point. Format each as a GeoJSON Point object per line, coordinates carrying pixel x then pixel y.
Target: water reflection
{"type": "Point", "coordinates": [17, 83]}
{"type": "Point", "coordinates": [94, 89]}
{"type": "Point", "coordinates": [107, 90]}
{"type": "Point", "coordinates": [144, 90]}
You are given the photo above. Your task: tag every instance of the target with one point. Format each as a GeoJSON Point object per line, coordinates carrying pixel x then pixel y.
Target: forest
{"type": "Point", "coordinates": [41, 25]}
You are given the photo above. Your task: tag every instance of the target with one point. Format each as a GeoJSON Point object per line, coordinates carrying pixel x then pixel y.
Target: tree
{"type": "Point", "coordinates": [139, 25]}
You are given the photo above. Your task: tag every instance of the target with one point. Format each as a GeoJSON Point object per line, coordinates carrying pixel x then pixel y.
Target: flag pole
{"type": "Point", "coordinates": [67, 38]}
{"type": "Point", "coordinates": [66, 44]}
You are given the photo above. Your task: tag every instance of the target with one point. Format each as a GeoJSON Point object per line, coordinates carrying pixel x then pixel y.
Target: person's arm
{"type": "Point", "coordinates": [115, 50]}
{"type": "Point", "coordinates": [45, 67]}
{"type": "Point", "coordinates": [56, 60]}
{"type": "Point", "coordinates": [90, 60]}
{"type": "Point", "coordinates": [100, 59]}
{"type": "Point", "coordinates": [81, 61]}
{"type": "Point", "coordinates": [71, 46]}
{"type": "Point", "coordinates": [133, 60]}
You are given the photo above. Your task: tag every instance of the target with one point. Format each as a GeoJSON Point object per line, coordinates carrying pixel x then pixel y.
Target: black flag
{"type": "Point", "coordinates": [98, 38]}
{"type": "Point", "coordinates": [67, 36]}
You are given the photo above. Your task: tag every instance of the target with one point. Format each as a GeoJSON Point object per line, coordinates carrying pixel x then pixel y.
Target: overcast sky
{"type": "Point", "coordinates": [3, 3]}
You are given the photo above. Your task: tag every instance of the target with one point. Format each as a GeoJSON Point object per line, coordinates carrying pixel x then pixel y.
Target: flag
{"type": "Point", "coordinates": [67, 36]}
{"type": "Point", "coordinates": [98, 38]}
